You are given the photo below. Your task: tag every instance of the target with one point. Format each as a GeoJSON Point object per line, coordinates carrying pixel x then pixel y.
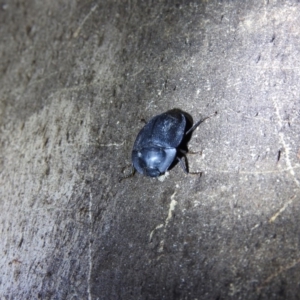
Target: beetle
{"type": "Point", "coordinates": [161, 141]}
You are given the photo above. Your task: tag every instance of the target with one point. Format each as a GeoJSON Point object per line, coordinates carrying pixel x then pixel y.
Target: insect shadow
{"type": "Point", "coordinates": [162, 143]}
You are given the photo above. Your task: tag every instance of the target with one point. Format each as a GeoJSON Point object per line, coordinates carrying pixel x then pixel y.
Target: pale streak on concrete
{"type": "Point", "coordinates": [277, 273]}
{"type": "Point", "coordinates": [282, 209]}
{"type": "Point", "coordinates": [90, 247]}
{"type": "Point", "coordinates": [77, 31]}
{"type": "Point", "coordinates": [172, 206]}
{"type": "Point", "coordinates": [290, 168]}
{"type": "Point", "coordinates": [285, 145]}
{"type": "Point", "coordinates": [173, 203]}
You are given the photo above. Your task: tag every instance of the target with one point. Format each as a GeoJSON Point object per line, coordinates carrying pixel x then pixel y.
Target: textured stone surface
{"type": "Point", "coordinates": [77, 78]}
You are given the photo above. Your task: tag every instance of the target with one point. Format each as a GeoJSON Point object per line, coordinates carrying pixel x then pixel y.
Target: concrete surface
{"type": "Point", "coordinates": [76, 80]}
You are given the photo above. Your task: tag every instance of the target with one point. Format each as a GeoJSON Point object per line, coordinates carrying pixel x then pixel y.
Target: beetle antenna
{"type": "Point", "coordinates": [199, 122]}
{"type": "Point", "coordinates": [131, 174]}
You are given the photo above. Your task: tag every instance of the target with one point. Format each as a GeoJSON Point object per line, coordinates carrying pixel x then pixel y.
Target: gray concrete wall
{"type": "Point", "coordinates": [77, 78]}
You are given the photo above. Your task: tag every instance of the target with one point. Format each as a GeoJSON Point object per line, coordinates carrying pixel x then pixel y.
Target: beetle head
{"type": "Point", "coordinates": [153, 161]}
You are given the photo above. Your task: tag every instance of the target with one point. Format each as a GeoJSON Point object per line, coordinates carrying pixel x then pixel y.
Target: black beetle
{"type": "Point", "coordinates": [160, 142]}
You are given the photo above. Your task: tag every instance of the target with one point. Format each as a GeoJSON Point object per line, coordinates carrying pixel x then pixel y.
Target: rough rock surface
{"type": "Point", "coordinates": [77, 78]}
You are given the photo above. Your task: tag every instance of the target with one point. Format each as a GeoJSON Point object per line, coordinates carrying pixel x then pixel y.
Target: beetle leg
{"type": "Point", "coordinates": [198, 123]}
{"type": "Point", "coordinates": [131, 174]}
{"type": "Point", "coordinates": [184, 166]}
{"type": "Point", "coordinates": [183, 152]}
